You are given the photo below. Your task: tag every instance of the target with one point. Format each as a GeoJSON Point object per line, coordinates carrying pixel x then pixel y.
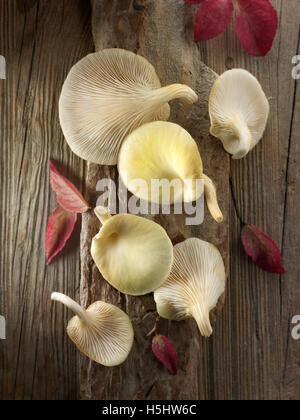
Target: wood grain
{"type": "Point", "coordinates": [40, 40]}
{"type": "Point", "coordinates": [263, 357]}
{"type": "Point", "coordinates": [257, 358]}
{"type": "Point", "coordinates": [162, 32]}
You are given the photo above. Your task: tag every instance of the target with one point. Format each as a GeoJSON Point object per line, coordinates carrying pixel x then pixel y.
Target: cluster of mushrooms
{"type": "Point", "coordinates": [113, 111]}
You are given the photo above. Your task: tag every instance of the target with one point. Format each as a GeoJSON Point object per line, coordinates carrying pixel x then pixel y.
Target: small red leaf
{"type": "Point", "coordinates": [164, 351]}
{"type": "Point", "coordinates": [193, 1]}
{"type": "Point", "coordinates": [60, 227]}
{"type": "Point", "coordinates": [67, 194]}
{"type": "Point", "coordinates": [256, 25]}
{"type": "Point", "coordinates": [262, 249]}
{"type": "Point", "coordinates": [212, 19]}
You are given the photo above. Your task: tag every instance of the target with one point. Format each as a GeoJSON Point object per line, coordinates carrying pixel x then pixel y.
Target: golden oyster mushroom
{"type": "Point", "coordinates": [133, 254]}
{"type": "Point", "coordinates": [163, 151]}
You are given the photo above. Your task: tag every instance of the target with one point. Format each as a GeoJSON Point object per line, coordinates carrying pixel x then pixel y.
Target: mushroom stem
{"type": "Point", "coordinates": [71, 304]}
{"type": "Point", "coordinates": [178, 91]}
{"type": "Point", "coordinates": [211, 199]}
{"type": "Point", "coordinates": [244, 138]}
{"type": "Point", "coordinates": [201, 316]}
{"type": "Point", "coordinates": [102, 213]}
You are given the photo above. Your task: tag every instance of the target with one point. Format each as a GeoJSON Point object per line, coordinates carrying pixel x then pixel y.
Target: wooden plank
{"type": "Point", "coordinates": [255, 357]}
{"type": "Point", "coordinates": [40, 40]}
{"type": "Point", "coordinates": [160, 30]}
{"type": "Point", "coordinates": [290, 293]}
{"type": "Point", "coordinates": [264, 359]}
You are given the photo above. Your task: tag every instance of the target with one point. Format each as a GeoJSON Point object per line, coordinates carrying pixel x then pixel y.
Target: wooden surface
{"type": "Point", "coordinates": [259, 359]}
{"type": "Point", "coordinates": [158, 32]}
{"type": "Point", "coordinates": [40, 40]}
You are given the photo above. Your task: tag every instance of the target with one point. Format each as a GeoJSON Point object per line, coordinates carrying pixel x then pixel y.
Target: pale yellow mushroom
{"type": "Point", "coordinates": [194, 286]}
{"type": "Point", "coordinates": [133, 254]}
{"type": "Point", "coordinates": [239, 111]}
{"type": "Point", "coordinates": [102, 332]}
{"type": "Point", "coordinates": [106, 96]}
{"type": "Point", "coordinates": [164, 151]}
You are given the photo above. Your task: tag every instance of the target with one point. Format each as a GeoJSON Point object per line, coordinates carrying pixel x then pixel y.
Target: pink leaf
{"type": "Point", "coordinates": [60, 227]}
{"type": "Point", "coordinates": [164, 351]}
{"type": "Point", "coordinates": [193, 1]}
{"type": "Point", "coordinates": [67, 194]}
{"type": "Point", "coordinates": [212, 19]}
{"type": "Point", "coordinates": [262, 249]}
{"type": "Point", "coordinates": [256, 25]}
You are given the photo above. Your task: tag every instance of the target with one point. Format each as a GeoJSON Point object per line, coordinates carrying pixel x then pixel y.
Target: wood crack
{"type": "Point", "coordinates": [287, 173]}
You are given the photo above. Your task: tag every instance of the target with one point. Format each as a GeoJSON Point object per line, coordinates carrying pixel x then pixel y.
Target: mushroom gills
{"type": "Point", "coordinates": [195, 284]}
{"type": "Point", "coordinates": [103, 332]}
{"type": "Point", "coordinates": [106, 96]}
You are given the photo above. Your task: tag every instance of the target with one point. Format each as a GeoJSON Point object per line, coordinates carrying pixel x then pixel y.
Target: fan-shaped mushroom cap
{"type": "Point", "coordinates": [106, 96]}
{"type": "Point", "coordinates": [195, 284]}
{"type": "Point", "coordinates": [239, 111]}
{"type": "Point", "coordinates": [165, 151]}
{"type": "Point", "coordinates": [103, 332]}
{"type": "Point", "coordinates": [133, 254]}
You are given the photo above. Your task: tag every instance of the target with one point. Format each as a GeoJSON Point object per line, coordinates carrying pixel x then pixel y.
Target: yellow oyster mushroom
{"type": "Point", "coordinates": [102, 332]}
{"type": "Point", "coordinates": [163, 151]}
{"type": "Point", "coordinates": [194, 286]}
{"type": "Point", "coordinates": [133, 254]}
{"type": "Point", "coordinates": [239, 111]}
{"type": "Point", "coordinates": [106, 96]}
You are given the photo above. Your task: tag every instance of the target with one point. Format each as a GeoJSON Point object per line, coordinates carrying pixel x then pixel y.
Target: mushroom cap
{"type": "Point", "coordinates": [103, 332]}
{"type": "Point", "coordinates": [195, 284]}
{"type": "Point", "coordinates": [161, 151]}
{"type": "Point", "coordinates": [133, 254]}
{"type": "Point", "coordinates": [239, 111]}
{"type": "Point", "coordinates": [107, 338]}
{"type": "Point", "coordinates": [105, 96]}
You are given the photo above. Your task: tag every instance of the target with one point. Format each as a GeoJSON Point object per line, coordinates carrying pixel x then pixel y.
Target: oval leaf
{"type": "Point", "coordinates": [59, 229]}
{"type": "Point", "coordinates": [67, 194]}
{"type": "Point", "coordinates": [256, 25]}
{"type": "Point", "coordinates": [212, 19]}
{"type": "Point", "coordinates": [262, 249]}
{"type": "Point", "coordinates": [164, 351]}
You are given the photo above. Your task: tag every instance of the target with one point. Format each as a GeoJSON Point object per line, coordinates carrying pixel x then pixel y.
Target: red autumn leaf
{"type": "Point", "coordinates": [164, 351]}
{"type": "Point", "coordinates": [193, 1]}
{"type": "Point", "coordinates": [67, 194]}
{"type": "Point", "coordinates": [256, 25]}
{"type": "Point", "coordinates": [212, 19]}
{"type": "Point", "coordinates": [59, 229]}
{"type": "Point", "coordinates": [262, 249]}
{"type": "Point", "coordinates": [256, 22]}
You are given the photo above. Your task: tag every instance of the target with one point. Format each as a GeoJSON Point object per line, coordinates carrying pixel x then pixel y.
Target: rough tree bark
{"type": "Point", "coordinates": [160, 30]}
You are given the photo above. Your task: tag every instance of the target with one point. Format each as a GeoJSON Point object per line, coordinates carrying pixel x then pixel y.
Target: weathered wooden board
{"type": "Point", "coordinates": [252, 355]}
{"type": "Point", "coordinates": [40, 41]}
{"type": "Point", "coordinates": [160, 30]}
{"type": "Point", "coordinates": [262, 358]}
